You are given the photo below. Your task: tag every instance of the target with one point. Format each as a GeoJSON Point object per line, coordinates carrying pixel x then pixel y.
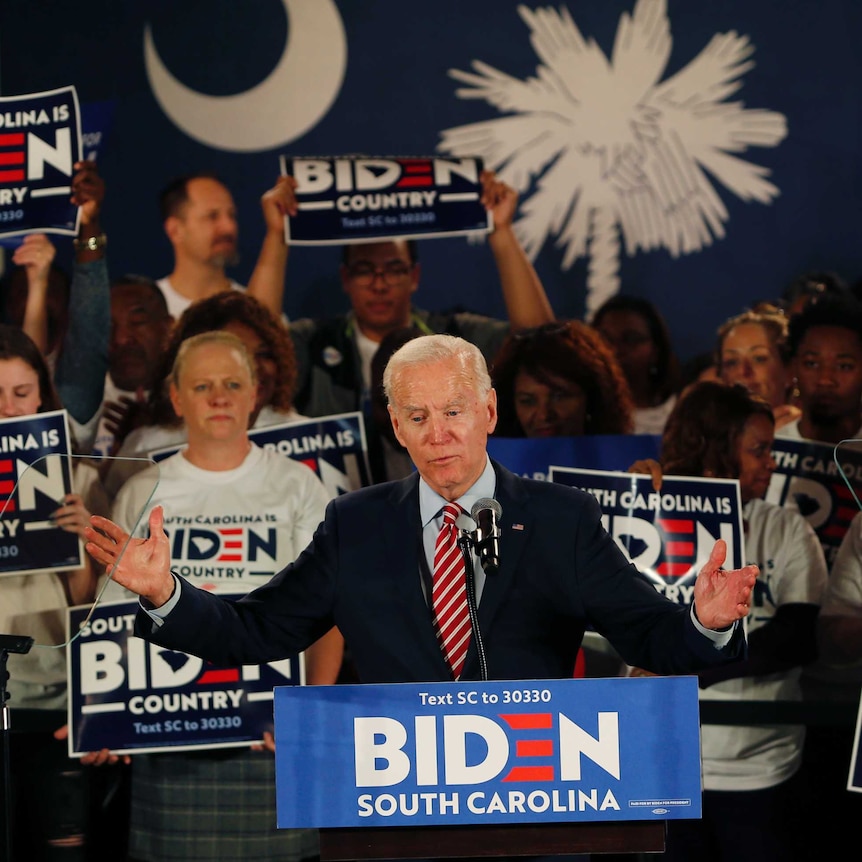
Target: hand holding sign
{"type": "Point", "coordinates": [88, 191]}
{"type": "Point", "coordinates": [72, 515]}
{"type": "Point", "coordinates": [722, 597]}
{"type": "Point", "coordinates": [278, 202]}
{"type": "Point", "coordinates": [35, 254]}
{"type": "Point", "coordinates": [499, 199]}
{"type": "Point", "coordinates": [649, 467]}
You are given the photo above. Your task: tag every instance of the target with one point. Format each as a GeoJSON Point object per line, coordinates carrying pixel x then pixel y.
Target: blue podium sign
{"type": "Point", "coordinates": [518, 751]}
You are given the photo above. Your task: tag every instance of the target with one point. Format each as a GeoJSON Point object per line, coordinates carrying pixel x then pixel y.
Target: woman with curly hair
{"type": "Point", "coordinates": [560, 379]}
{"type": "Point", "coordinates": [753, 789]}
{"type": "Point", "coordinates": [267, 341]}
{"type": "Point", "coordinates": [752, 350]}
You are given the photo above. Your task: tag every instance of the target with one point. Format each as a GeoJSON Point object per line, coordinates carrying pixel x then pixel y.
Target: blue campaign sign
{"type": "Point", "coordinates": [809, 479]}
{"type": "Point", "coordinates": [532, 457]}
{"type": "Point", "coordinates": [35, 475]}
{"type": "Point", "coordinates": [361, 198]}
{"type": "Point", "coordinates": [40, 141]}
{"type": "Point", "coordinates": [669, 534]}
{"type": "Point", "coordinates": [334, 447]}
{"type": "Point", "coordinates": [130, 696]}
{"type": "Point", "coordinates": [97, 118]}
{"type": "Point", "coordinates": [432, 754]}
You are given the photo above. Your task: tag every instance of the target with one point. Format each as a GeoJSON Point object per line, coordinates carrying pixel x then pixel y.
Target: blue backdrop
{"type": "Point", "coordinates": [397, 97]}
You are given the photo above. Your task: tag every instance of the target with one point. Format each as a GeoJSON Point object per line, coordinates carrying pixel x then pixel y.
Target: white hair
{"type": "Point", "coordinates": [427, 349]}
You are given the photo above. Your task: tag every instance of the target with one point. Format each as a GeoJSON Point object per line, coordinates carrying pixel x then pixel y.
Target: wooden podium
{"type": "Point", "coordinates": [546, 839]}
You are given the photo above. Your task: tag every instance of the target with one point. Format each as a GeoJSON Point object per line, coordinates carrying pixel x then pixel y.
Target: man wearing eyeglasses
{"type": "Point", "coordinates": [334, 356]}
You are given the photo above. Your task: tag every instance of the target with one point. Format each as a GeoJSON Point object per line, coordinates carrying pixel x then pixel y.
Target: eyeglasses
{"type": "Point", "coordinates": [393, 273]}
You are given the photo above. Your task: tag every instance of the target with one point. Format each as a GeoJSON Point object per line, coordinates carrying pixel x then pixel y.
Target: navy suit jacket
{"type": "Point", "coordinates": [559, 572]}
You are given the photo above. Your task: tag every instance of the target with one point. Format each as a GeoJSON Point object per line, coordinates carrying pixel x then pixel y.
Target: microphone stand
{"type": "Point", "coordinates": [464, 543]}
{"type": "Point", "coordinates": [20, 645]}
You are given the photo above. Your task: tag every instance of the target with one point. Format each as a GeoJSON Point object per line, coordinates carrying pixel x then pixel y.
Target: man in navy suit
{"type": "Point", "coordinates": [367, 569]}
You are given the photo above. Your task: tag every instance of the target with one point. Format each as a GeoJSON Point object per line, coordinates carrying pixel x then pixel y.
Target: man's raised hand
{"type": "Point", "coordinates": [722, 597]}
{"type": "Point", "coordinates": [140, 565]}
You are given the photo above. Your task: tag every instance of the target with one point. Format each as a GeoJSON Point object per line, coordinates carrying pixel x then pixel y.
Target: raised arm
{"type": "Point", "coordinates": [36, 254]}
{"type": "Point", "coordinates": [266, 283]}
{"type": "Point", "coordinates": [722, 597]}
{"type": "Point", "coordinates": [526, 301]}
{"type": "Point", "coordinates": [140, 565]}
{"type": "Point", "coordinates": [83, 360]}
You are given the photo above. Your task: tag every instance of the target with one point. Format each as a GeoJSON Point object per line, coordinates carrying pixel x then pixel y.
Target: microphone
{"type": "Point", "coordinates": [487, 512]}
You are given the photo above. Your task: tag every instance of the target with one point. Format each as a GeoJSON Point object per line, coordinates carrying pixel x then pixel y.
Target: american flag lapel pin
{"type": "Point", "coordinates": [517, 526]}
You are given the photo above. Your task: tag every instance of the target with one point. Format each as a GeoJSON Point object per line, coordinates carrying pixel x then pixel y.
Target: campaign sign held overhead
{"type": "Point", "coordinates": [432, 754]}
{"type": "Point", "coordinates": [361, 198]}
{"type": "Point", "coordinates": [40, 141]}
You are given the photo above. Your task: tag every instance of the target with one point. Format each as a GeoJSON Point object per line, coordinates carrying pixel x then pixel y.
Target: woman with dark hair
{"type": "Point", "coordinates": [19, 349]}
{"type": "Point", "coordinates": [641, 341]}
{"type": "Point", "coordinates": [560, 379]}
{"type": "Point", "coordinates": [50, 810]}
{"type": "Point", "coordinates": [267, 341]}
{"type": "Point", "coordinates": [752, 350]}
{"type": "Point", "coordinates": [752, 799]}
{"type": "Point", "coordinates": [702, 436]}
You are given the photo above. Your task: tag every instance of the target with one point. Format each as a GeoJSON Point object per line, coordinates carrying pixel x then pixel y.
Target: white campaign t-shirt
{"type": "Point", "coordinates": [792, 569]}
{"type": "Point", "coordinates": [229, 530]}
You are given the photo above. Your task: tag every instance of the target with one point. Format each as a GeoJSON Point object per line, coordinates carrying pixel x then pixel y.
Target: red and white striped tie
{"type": "Point", "coordinates": [449, 593]}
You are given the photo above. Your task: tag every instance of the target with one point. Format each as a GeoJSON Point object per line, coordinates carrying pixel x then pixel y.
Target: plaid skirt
{"type": "Point", "coordinates": [211, 806]}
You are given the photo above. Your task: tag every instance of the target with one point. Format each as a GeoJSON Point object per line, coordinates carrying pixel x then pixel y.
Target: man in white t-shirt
{"type": "Point", "coordinates": [200, 221]}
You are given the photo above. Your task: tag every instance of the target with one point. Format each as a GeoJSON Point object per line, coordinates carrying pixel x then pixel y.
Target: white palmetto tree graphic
{"type": "Point", "coordinates": [609, 148]}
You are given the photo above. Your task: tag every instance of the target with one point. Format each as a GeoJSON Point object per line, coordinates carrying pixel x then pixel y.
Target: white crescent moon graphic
{"type": "Point", "coordinates": [283, 107]}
